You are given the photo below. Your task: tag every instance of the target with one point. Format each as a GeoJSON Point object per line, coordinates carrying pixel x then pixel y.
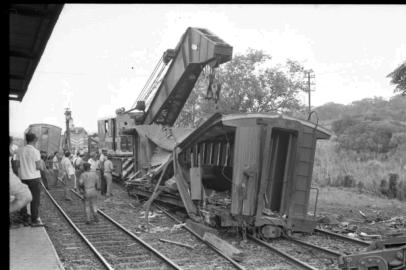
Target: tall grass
{"type": "Point", "coordinates": [335, 167]}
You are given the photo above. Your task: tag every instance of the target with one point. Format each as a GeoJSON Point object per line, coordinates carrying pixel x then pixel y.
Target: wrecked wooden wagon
{"type": "Point", "coordinates": [251, 170]}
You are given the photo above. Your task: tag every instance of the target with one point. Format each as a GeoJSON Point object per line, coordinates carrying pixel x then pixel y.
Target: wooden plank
{"type": "Point", "coordinates": [199, 228]}
{"type": "Point", "coordinates": [182, 186]}
{"type": "Point", "coordinates": [224, 246]}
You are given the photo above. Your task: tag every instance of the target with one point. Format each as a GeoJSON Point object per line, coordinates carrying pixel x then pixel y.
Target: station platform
{"type": "Point", "coordinates": [31, 248]}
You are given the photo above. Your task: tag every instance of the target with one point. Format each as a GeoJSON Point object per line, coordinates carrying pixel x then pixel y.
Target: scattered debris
{"type": "Point", "coordinates": [370, 236]}
{"type": "Point", "coordinates": [177, 227]}
{"type": "Point", "coordinates": [176, 243]}
{"type": "Point", "coordinates": [224, 246]}
{"type": "Point", "coordinates": [130, 204]}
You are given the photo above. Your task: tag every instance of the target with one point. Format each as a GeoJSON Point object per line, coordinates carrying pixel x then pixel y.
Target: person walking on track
{"type": "Point", "coordinates": [55, 167]}
{"type": "Point", "coordinates": [68, 174]}
{"type": "Point", "coordinates": [88, 187]}
{"type": "Point", "coordinates": [78, 165]}
{"type": "Point", "coordinates": [28, 163]}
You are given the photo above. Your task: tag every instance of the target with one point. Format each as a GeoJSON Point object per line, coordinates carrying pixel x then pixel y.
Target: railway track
{"type": "Point", "coordinates": [288, 253]}
{"type": "Point", "coordinates": [184, 257]}
{"type": "Point", "coordinates": [73, 252]}
{"type": "Point", "coordinates": [333, 243]}
{"type": "Point", "coordinates": [115, 247]}
{"type": "Point", "coordinates": [302, 257]}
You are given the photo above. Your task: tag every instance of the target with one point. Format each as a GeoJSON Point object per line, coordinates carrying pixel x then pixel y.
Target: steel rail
{"type": "Point", "coordinates": [145, 244]}
{"type": "Point", "coordinates": [235, 263]}
{"type": "Point", "coordinates": [322, 249]}
{"type": "Point", "coordinates": [283, 254]}
{"type": "Point", "coordinates": [343, 237]}
{"type": "Point", "coordinates": [99, 256]}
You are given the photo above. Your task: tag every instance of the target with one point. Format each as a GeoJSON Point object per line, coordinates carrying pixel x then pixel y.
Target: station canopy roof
{"type": "Point", "coordinates": [31, 26]}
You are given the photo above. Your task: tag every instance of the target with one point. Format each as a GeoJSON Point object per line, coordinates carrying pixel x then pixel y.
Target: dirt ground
{"type": "Point", "coordinates": [360, 215]}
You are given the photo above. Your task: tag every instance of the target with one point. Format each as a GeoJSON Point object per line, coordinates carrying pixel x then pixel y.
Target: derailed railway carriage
{"type": "Point", "coordinates": [247, 170]}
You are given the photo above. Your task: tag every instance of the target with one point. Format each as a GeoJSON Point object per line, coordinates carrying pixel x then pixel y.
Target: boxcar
{"type": "Point", "coordinates": [49, 137]}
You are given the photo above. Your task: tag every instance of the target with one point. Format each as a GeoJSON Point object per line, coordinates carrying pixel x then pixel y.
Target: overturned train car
{"type": "Point", "coordinates": [246, 170]}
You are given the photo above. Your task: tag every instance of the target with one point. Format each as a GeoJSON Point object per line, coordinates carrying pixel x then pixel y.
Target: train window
{"type": "Point", "coordinates": [125, 143]}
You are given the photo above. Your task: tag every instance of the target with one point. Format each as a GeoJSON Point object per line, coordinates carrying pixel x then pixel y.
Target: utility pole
{"type": "Point", "coordinates": [310, 75]}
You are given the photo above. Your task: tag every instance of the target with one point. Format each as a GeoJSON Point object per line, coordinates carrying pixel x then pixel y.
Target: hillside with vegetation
{"type": "Point", "coordinates": [368, 148]}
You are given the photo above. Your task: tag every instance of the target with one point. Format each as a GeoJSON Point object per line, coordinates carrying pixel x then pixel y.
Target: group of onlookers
{"type": "Point", "coordinates": [32, 166]}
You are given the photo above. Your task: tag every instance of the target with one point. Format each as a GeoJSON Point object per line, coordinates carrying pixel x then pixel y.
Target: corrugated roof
{"type": "Point", "coordinates": [31, 26]}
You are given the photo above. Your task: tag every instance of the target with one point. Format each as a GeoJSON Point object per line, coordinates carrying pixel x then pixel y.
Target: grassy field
{"type": "Point", "coordinates": [338, 168]}
{"type": "Point", "coordinates": [348, 202]}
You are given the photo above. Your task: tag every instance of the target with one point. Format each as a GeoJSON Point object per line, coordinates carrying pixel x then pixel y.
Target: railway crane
{"type": "Point", "coordinates": [163, 95]}
{"type": "Point", "coordinates": [249, 170]}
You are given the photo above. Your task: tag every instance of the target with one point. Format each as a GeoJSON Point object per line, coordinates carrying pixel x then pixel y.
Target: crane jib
{"type": "Point", "coordinates": [197, 48]}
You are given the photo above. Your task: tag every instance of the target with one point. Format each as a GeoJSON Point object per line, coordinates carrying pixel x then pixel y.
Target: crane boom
{"type": "Point", "coordinates": [198, 47]}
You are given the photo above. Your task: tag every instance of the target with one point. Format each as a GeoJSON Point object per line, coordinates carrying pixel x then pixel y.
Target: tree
{"type": "Point", "coordinates": [249, 83]}
{"type": "Point", "coordinates": [330, 111]}
{"type": "Point", "coordinates": [399, 78]}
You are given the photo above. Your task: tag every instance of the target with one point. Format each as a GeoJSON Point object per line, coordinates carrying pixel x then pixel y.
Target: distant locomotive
{"type": "Point", "coordinates": [119, 145]}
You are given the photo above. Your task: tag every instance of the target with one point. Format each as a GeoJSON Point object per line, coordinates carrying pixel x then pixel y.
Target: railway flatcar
{"type": "Point", "coordinates": [249, 170]}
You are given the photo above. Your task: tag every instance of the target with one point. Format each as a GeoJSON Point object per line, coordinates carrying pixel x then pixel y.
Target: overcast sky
{"type": "Point", "coordinates": [100, 56]}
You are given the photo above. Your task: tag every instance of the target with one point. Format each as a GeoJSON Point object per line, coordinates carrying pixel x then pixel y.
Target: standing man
{"type": "Point", "coordinates": [55, 166]}
{"type": "Point", "coordinates": [77, 164]}
{"type": "Point", "coordinates": [20, 194]}
{"type": "Point", "coordinates": [102, 159]}
{"type": "Point", "coordinates": [108, 174]}
{"type": "Point", "coordinates": [28, 163]}
{"type": "Point", "coordinates": [68, 174]}
{"type": "Point", "coordinates": [95, 167]}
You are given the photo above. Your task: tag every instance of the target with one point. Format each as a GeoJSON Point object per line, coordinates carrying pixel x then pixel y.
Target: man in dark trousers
{"type": "Point", "coordinates": [102, 159]}
{"type": "Point", "coordinates": [29, 164]}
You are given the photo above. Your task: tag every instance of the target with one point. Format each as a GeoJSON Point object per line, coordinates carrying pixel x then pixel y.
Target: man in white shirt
{"type": "Point", "coordinates": [68, 174]}
{"type": "Point", "coordinates": [20, 194]}
{"type": "Point", "coordinates": [55, 167]}
{"type": "Point", "coordinates": [29, 164]}
{"type": "Point", "coordinates": [95, 167]}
